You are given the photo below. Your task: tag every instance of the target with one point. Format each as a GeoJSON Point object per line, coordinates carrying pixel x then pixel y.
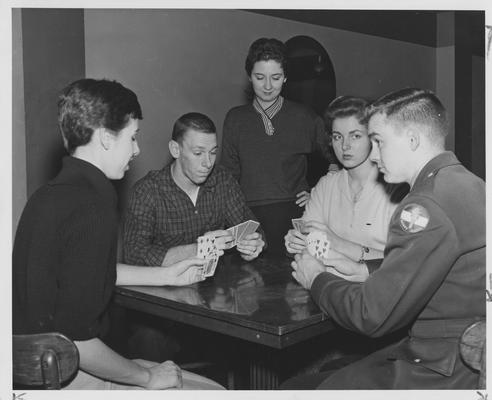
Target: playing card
{"type": "Point", "coordinates": [318, 244]}
{"type": "Point", "coordinates": [201, 247]}
{"type": "Point", "coordinates": [212, 266]}
{"type": "Point", "coordinates": [250, 227]}
{"type": "Point", "coordinates": [207, 268]}
{"type": "Point", "coordinates": [240, 230]}
{"type": "Point", "coordinates": [232, 231]}
{"type": "Point", "coordinates": [207, 250]}
{"type": "Point", "coordinates": [298, 224]}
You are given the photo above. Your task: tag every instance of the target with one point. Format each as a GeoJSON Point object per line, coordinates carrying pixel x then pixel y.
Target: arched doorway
{"type": "Point", "coordinates": [311, 81]}
{"type": "Point", "coordinates": [311, 76]}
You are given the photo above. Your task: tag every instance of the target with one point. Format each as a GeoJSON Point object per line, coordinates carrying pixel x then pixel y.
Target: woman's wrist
{"type": "Point", "coordinates": [143, 376]}
{"type": "Point", "coordinates": [338, 244]}
{"type": "Point", "coordinates": [165, 277]}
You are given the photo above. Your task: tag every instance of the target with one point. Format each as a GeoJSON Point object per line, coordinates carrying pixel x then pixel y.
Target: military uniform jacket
{"type": "Point", "coordinates": [432, 279]}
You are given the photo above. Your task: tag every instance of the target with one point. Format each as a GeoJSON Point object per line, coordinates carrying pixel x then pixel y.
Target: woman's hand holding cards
{"type": "Point", "coordinates": [185, 272]}
{"type": "Point", "coordinates": [295, 241]}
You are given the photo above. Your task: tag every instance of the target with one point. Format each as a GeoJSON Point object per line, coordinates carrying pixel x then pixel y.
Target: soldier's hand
{"type": "Point", "coordinates": [306, 269]}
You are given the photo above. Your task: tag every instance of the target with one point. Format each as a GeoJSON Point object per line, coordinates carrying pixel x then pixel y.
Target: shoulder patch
{"type": "Point", "coordinates": [414, 218]}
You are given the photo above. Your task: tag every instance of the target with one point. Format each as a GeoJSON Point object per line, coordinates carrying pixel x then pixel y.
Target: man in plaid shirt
{"type": "Point", "coordinates": [170, 208]}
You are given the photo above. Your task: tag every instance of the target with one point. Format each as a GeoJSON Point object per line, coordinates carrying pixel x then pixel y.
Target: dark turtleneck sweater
{"type": "Point", "coordinates": [64, 256]}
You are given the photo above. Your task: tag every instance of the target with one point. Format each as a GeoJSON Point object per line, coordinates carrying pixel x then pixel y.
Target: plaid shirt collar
{"type": "Point", "coordinates": [170, 185]}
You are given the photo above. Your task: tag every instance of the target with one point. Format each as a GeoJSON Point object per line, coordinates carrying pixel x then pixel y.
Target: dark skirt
{"type": "Point", "coordinates": [275, 220]}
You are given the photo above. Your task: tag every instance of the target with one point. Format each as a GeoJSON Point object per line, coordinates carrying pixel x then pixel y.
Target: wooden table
{"type": "Point", "coordinates": [257, 301]}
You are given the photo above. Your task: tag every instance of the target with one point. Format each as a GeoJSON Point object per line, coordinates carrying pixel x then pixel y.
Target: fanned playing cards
{"type": "Point", "coordinates": [242, 230]}
{"type": "Point", "coordinates": [299, 224]}
{"type": "Point", "coordinates": [318, 244]}
{"type": "Point", "coordinates": [207, 250]}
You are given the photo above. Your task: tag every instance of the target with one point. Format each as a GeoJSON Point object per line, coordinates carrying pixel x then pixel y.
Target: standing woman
{"type": "Point", "coordinates": [265, 144]}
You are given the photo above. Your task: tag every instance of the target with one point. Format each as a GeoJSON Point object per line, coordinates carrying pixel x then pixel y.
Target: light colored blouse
{"type": "Point", "coordinates": [364, 221]}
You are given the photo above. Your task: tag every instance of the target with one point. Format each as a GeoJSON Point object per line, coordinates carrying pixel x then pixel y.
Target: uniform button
{"type": "Point", "coordinates": [417, 360]}
{"type": "Point", "coordinates": [196, 211]}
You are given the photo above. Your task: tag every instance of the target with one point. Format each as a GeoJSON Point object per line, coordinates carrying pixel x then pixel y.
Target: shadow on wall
{"type": "Point", "coordinates": [311, 81]}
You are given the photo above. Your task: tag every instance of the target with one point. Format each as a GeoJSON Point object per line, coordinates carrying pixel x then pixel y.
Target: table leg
{"type": "Point", "coordinates": [262, 376]}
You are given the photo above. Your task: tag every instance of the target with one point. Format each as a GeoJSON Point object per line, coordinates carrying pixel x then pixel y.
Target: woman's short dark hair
{"type": "Point", "coordinates": [345, 106]}
{"type": "Point", "coordinates": [264, 49]}
{"type": "Point", "coordinates": [193, 120]}
{"type": "Point", "coordinates": [88, 104]}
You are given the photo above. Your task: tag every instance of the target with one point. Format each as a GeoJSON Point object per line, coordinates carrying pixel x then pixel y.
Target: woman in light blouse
{"type": "Point", "coordinates": [352, 206]}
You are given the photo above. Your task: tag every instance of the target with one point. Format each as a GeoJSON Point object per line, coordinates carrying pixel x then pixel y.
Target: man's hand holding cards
{"type": "Point", "coordinates": [247, 240]}
{"type": "Point", "coordinates": [242, 230]}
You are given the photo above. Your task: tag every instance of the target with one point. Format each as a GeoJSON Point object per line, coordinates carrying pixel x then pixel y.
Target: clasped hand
{"type": "Point", "coordinates": [164, 375]}
{"type": "Point", "coordinates": [307, 268]}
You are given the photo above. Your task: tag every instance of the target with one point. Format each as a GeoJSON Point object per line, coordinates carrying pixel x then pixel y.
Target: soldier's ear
{"type": "Point", "coordinates": [174, 148]}
{"type": "Point", "coordinates": [414, 138]}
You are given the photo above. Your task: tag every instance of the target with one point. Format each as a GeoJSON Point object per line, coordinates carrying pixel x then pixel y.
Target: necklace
{"type": "Point", "coordinates": [356, 195]}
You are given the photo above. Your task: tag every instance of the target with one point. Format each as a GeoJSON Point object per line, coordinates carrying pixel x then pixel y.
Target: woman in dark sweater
{"type": "Point", "coordinates": [64, 259]}
{"type": "Point", "coordinates": [265, 144]}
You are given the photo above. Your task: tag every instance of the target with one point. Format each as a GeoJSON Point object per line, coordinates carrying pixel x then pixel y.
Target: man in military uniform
{"type": "Point", "coordinates": [432, 278]}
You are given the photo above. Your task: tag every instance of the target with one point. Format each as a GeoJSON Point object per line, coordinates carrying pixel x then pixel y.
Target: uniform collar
{"type": "Point", "coordinates": [430, 169]}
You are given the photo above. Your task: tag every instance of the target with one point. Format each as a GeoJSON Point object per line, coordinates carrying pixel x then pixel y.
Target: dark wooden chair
{"type": "Point", "coordinates": [473, 349]}
{"type": "Point", "coordinates": [45, 360]}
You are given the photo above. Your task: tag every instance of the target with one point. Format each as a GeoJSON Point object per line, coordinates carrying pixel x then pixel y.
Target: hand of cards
{"type": "Point", "coordinates": [318, 244]}
{"type": "Point", "coordinates": [299, 224]}
{"type": "Point", "coordinates": [242, 230]}
{"type": "Point", "coordinates": [207, 248]}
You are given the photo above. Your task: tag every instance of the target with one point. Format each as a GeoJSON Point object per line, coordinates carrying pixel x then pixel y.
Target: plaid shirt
{"type": "Point", "coordinates": [160, 215]}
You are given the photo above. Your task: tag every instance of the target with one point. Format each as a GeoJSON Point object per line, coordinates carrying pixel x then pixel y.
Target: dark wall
{"type": "Point", "coordinates": [470, 90]}
{"type": "Point", "coordinates": [53, 55]}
